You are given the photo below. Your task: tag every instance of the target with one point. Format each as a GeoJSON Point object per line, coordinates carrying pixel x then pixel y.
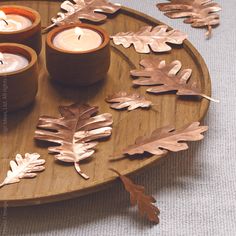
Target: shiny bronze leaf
{"type": "Point", "coordinates": [166, 139]}
{"type": "Point", "coordinates": [24, 167]}
{"type": "Point", "coordinates": [164, 77]}
{"type": "Point", "coordinates": [91, 10]}
{"type": "Point", "coordinates": [156, 38]}
{"type": "Point", "coordinates": [138, 197]}
{"type": "Point", "coordinates": [122, 100]}
{"type": "Point", "coordinates": [75, 132]}
{"type": "Point", "coordinates": [199, 13]}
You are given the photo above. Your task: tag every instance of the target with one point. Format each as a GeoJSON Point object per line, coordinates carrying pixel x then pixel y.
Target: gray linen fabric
{"type": "Point", "coordinates": [195, 190]}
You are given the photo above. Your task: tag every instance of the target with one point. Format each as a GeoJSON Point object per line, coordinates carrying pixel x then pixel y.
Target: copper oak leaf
{"type": "Point", "coordinates": [199, 13]}
{"type": "Point", "coordinates": [122, 100]}
{"type": "Point", "coordinates": [24, 167]}
{"type": "Point", "coordinates": [156, 38]}
{"type": "Point", "coordinates": [91, 10]}
{"type": "Point", "coordinates": [166, 139]}
{"type": "Point", "coordinates": [138, 197]}
{"type": "Point", "coordinates": [164, 77]}
{"type": "Point", "coordinates": [75, 132]}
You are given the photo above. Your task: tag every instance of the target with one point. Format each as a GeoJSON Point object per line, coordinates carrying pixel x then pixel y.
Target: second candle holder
{"type": "Point", "coordinates": [78, 54]}
{"type": "Point", "coordinates": [29, 21]}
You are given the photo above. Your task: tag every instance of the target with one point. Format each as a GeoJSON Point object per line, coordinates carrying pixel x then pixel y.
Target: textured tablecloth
{"type": "Point", "coordinates": [195, 190]}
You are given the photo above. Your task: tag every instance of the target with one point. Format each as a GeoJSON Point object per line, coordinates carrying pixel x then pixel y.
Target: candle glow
{"type": "Point", "coordinates": [12, 62]}
{"type": "Point", "coordinates": [13, 22]}
{"type": "Point", "coordinates": [78, 32]}
{"type": "Point", "coordinates": [3, 17]}
{"type": "Point", "coordinates": [78, 39]}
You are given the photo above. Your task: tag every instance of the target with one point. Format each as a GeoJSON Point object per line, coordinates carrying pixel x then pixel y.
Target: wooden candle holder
{"type": "Point", "coordinates": [78, 68]}
{"type": "Point", "coordinates": [30, 36]}
{"type": "Point", "coordinates": [18, 89]}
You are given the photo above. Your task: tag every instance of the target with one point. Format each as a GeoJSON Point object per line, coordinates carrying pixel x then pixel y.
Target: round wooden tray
{"type": "Point", "coordinates": [61, 181]}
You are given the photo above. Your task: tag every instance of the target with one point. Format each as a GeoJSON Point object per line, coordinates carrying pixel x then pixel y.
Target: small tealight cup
{"type": "Point", "coordinates": [21, 25]}
{"type": "Point", "coordinates": [78, 54]}
{"type": "Point", "coordinates": [18, 76]}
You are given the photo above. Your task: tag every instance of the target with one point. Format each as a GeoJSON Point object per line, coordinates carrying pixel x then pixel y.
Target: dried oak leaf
{"type": "Point", "coordinates": [156, 38]}
{"type": "Point", "coordinates": [199, 13]}
{"type": "Point", "coordinates": [75, 132]}
{"type": "Point", "coordinates": [165, 78]}
{"type": "Point", "coordinates": [166, 139]}
{"type": "Point", "coordinates": [24, 167]}
{"type": "Point", "coordinates": [138, 197]}
{"type": "Point", "coordinates": [122, 100]}
{"type": "Point", "coordinates": [83, 9]}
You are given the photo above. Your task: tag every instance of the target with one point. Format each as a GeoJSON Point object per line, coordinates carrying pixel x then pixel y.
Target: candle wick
{"type": "Point", "coordinates": [79, 37]}
{"type": "Point", "coordinates": [1, 62]}
{"type": "Point", "coordinates": [5, 21]}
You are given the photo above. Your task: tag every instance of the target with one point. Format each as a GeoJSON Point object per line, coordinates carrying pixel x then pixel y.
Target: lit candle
{"type": "Point", "coordinates": [78, 39]}
{"type": "Point", "coordinates": [13, 22]}
{"type": "Point", "coordinates": [78, 54]}
{"type": "Point", "coordinates": [18, 76]}
{"type": "Point", "coordinates": [12, 62]}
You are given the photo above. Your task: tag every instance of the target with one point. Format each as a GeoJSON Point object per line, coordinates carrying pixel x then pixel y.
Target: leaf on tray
{"type": "Point", "coordinates": [122, 100]}
{"type": "Point", "coordinates": [156, 38]}
{"type": "Point", "coordinates": [199, 13]}
{"type": "Point", "coordinates": [164, 77]}
{"type": "Point", "coordinates": [83, 9]}
{"type": "Point", "coordinates": [166, 139]}
{"type": "Point", "coordinates": [138, 197]}
{"type": "Point", "coordinates": [24, 167]}
{"type": "Point", "coordinates": [75, 132]}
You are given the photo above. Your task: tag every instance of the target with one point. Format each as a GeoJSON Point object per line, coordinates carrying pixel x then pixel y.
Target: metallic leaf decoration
{"type": "Point", "coordinates": [138, 197]}
{"type": "Point", "coordinates": [164, 77]}
{"type": "Point", "coordinates": [199, 13]}
{"type": "Point", "coordinates": [24, 167]}
{"type": "Point", "coordinates": [166, 139]}
{"type": "Point", "coordinates": [75, 132]}
{"type": "Point", "coordinates": [91, 10]}
{"type": "Point", "coordinates": [122, 100]}
{"type": "Point", "coordinates": [156, 38]}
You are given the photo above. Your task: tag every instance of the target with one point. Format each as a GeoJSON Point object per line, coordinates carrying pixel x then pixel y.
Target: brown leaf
{"type": "Point", "coordinates": [74, 132]}
{"type": "Point", "coordinates": [165, 78]}
{"type": "Point", "coordinates": [24, 167]}
{"type": "Point", "coordinates": [83, 9]}
{"type": "Point", "coordinates": [199, 13]}
{"type": "Point", "coordinates": [138, 197]}
{"type": "Point", "coordinates": [132, 101]}
{"type": "Point", "coordinates": [166, 139]}
{"type": "Point", "coordinates": [156, 38]}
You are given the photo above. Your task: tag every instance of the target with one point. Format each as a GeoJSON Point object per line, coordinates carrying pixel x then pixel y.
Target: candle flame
{"type": "Point", "coordinates": [3, 15]}
{"type": "Point", "coordinates": [78, 32]}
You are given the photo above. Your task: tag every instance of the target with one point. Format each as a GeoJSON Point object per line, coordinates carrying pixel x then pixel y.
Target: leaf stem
{"type": "Point", "coordinates": [44, 31]}
{"type": "Point", "coordinates": [209, 98]}
{"type": "Point", "coordinates": [209, 32]}
{"type": "Point", "coordinates": [77, 167]}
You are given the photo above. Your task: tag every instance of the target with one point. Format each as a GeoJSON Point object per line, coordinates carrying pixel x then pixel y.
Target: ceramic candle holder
{"type": "Point", "coordinates": [30, 36]}
{"type": "Point", "coordinates": [18, 88]}
{"type": "Point", "coordinates": [78, 68]}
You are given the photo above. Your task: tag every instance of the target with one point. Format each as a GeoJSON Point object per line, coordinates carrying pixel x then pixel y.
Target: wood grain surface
{"type": "Point", "coordinates": [61, 181]}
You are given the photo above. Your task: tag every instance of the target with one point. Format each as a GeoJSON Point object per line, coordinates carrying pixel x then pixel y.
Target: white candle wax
{"type": "Point", "coordinates": [12, 62]}
{"type": "Point", "coordinates": [78, 39]}
{"type": "Point", "coordinates": [13, 22]}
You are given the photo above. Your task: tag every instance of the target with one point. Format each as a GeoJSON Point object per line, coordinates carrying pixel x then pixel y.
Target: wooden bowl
{"type": "Point", "coordinates": [20, 86]}
{"type": "Point", "coordinates": [78, 68]}
{"type": "Point", "coordinates": [30, 36]}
